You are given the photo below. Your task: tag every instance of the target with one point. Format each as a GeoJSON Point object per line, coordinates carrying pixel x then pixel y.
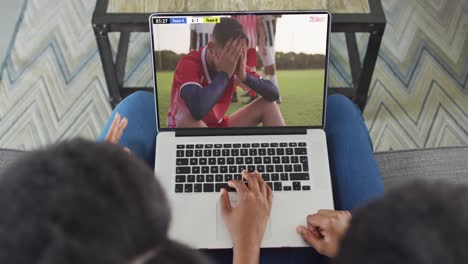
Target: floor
{"type": "Point", "coordinates": [52, 86]}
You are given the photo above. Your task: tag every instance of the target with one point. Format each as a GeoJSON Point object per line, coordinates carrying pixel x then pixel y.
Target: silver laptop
{"type": "Point", "coordinates": [280, 136]}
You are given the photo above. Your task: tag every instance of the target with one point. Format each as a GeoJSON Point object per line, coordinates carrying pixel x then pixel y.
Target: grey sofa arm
{"type": "Point", "coordinates": [398, 167]}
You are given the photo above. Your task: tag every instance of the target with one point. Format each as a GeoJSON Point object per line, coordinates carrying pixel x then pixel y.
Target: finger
{"type": "Point", "coordinates": [232, 52]}
{"type": "Point", "coordinates": [227, 46]}
{"type": "Point", "coordinates": [238, 56]}
{"type": "Point", "coordinates": [123, 124]}
{"type": "Point", "coordinates": [244, 46]}
{"type": "Point", "coordinates": [235, 43]}
{"type": "Point", "coordinates": [239, 186]}
{"type": "Point", "coordinates": [348, 213]}
{"type": "Point", "coordinates": [314, 230]}
{"type": "Point", "coordinates": [240, 46]}
{"type": "Point", "coordinates": [127, 150]}
{"type": "Point", "coordinates": [308, 237]}
{"type": "Point", "coordinates": [252, 181]}
{"type": "Point", "coordinates": [232, 43]}
{"type": "Point", "coordinates": [325, 211]}
{"type": "Point", "coordinates": [317, 220]}
{"type": "Point", "coordinates": [261, 184]}
{"type": "Point", "coordinates": [269, 196]}
{"type": "Point", "coordinates": [235, 49]}
{"type": "Point", "coordinates": [115, 129]}
{"type": "Point", "coordinates": [235, 54]}
{"type": "Point", "coordinates": [245, 53]}
{"type": "Point", "coordinates": [112, 130]}
{"type": "Point", "coordinates": [244, 50]}
{"type": "Point", "coordinates": [109, 131]}
{"type": "Point", "coordinates": [225, 203]}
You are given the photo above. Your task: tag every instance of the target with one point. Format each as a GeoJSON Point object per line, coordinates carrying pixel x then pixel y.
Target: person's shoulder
{"type": "Point", "coordinates": [191, 61]}
{"type": "Point", "coordinates": [193, 57]}
{"type": "Point", "coordinates": [189, 68]}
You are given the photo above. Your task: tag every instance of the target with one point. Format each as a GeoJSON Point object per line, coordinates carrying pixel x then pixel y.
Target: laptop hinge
{"type": "Point", "coordinates": [240, 132]}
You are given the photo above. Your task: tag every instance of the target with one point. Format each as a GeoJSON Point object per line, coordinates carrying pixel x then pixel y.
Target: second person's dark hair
{"type": "Point", "coordinates": [418, 223]}
{"type": "Point", "coordinates": [84, 202]}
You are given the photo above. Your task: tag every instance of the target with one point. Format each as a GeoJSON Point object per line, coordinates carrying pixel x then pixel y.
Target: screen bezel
{"type": "Point", "coordinates": [241, 130]}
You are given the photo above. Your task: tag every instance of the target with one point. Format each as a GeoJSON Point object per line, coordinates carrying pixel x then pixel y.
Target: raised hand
{"type": "Point", "coordinates": [325, 230]}
{"type": "Point", "coordinates": [116, 130]}
{"type": "Point", "coordinates": [241, 71]}
{"type": "Point", "coordinates": [229, 57]}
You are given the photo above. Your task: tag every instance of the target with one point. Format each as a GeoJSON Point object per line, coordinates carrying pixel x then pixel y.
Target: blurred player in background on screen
{"type": "Point", "coordinates": [249, 23]}
{"type": "Point", "coordinates": [204, 81]}
{"type": "Point", "coordinates": [266, 46]}
{"type": "Point", "coordinates": [200, 35]}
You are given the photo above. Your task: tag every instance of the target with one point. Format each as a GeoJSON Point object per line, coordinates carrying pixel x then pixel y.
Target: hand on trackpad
{"type": "Point", "coordinates": [221, 231]}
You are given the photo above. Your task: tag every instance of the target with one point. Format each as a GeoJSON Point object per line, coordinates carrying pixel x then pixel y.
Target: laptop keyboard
{"type": "Point", "coordinates": [208, 167]}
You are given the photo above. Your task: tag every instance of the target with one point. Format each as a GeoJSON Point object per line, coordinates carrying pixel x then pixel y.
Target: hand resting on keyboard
{"type": "Point", "coordinates": [247, 221]}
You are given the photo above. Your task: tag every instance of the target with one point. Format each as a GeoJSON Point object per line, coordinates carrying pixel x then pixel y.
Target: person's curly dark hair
{"type": "Point", "coordinates": [84, 202]}
{"type": "Point", "coordinates": [419, 223]}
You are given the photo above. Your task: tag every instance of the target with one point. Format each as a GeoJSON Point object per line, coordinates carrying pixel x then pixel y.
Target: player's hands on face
{"type": "Point", "coordinates": [324, 230]}
{"type": "Point", "coordinates": [240, 71]}
{"type": "Point", "coordinates": [227, 59]}
{"type": "Point", "coordinates": [246, 221]}
{"type": "Point", "coordinates": [116, 130]}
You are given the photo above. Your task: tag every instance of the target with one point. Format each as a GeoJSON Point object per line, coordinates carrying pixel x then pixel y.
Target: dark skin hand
{"type": "Point", "coordinates": [324, 230]}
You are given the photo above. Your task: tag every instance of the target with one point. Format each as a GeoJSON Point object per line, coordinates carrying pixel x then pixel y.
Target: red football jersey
{"type": "Point", "coordinates": [192, 69]}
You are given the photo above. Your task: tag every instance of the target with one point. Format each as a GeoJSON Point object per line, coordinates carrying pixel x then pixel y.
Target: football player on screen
{"type": "Point", "coordinates": [204, 81]}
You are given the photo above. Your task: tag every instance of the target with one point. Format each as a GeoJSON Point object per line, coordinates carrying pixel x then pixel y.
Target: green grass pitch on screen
{"type": "Point", "coordinates": [301, 93]}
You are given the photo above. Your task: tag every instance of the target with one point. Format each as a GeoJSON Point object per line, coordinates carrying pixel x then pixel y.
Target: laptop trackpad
{"type": "Point", "coordinates": [222, 233]}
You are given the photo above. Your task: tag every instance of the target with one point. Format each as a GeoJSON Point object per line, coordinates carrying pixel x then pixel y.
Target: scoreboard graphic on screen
{"type": "Point", "coordinates": [187, 20]}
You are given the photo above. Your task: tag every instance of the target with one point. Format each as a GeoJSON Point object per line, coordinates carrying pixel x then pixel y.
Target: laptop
{"type": "Point", "coordinates": [280, 134]}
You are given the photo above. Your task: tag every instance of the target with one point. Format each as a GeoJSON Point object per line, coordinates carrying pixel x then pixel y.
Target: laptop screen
{"type": "Point", "coordinates": [240, 70]}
